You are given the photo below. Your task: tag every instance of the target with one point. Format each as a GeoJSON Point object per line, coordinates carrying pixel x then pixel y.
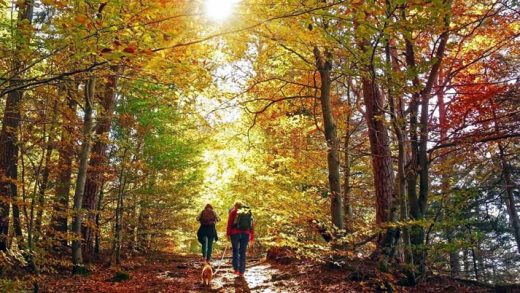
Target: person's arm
{"type": "Point", "coordinates": [216, 216]}
{"type": "Point", "coordinates": [252, 232]}
{"type": "Point", "coordinates": [198, 217]}
{"type": "Point", "coordinates": [230, 222]}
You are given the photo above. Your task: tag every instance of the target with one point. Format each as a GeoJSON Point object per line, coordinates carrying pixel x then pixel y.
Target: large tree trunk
{"type": "Point", "coordinates": [77, 258]}
{"type": "Point", "coordinates": [415, 212]}
{"type": "Point", "coordinates": [380, 151]}
{"type": "Point", "coordinates": [9, 164]}
{"type": "Point", "coordinates": [382, 170]}
{"type": "Point", "coordinates": [381, 164]}
{"type": "Point", "coordinates": [324, 66]}
{"type": "Point", "coordinates": [66, 153]}
{"type": "Point", "coordinates": [9, 140]}
{"type": "Point", "coordinates": [397, 115]}
{"type": "Point", "coordinates": [97, 166]}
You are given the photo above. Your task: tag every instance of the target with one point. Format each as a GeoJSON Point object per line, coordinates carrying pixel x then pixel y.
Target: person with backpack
{"type": "Point", "coordinates": [240, 231]}
{"type": "Point", "coordinates": [207, 232]}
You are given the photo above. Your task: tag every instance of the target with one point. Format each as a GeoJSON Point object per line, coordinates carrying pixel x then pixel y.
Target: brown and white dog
{"type": "Point", "coordinates": [207, 274]}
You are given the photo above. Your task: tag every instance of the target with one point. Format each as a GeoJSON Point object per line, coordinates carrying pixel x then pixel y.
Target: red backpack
{"type": "Point", "coordinates": [208, 217]}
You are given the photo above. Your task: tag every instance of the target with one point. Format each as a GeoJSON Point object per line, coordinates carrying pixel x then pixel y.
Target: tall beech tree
{"type": "Point", "coordinates": [9, 132]}
{"type": "Point", "coordinates": [98, 162]}
{"type": "Point", "coordinates": [324, 66]}
{"type": "Point", "coordinates": [79, 191]}
{"type": "Point", "coordinates": [419, 131]}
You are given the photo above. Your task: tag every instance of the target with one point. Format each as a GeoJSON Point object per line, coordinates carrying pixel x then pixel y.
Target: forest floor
{"type": "Point", "coordinates": [166, 272]}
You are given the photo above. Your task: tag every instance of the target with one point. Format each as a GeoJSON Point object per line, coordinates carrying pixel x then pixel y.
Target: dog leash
{"type": "Point", "coordinates": [221, 260]}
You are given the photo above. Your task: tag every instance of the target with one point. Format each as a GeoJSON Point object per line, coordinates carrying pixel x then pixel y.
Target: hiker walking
{"type": "Point", "coordinates": [240, 231]}
{"type": "Point", "coordinates": [207, 232]}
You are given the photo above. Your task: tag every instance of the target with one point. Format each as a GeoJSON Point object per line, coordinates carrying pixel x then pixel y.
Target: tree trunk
{"type": "Point", "coordinates": [346, 183]}
{"type": "Point", "coordinates": [465, 262]}
{"type": "Point", "coordinates": [9, 140]}
{"type": "Point", "coordinates": [445, 184]}
{"type": "Point", "coordinates": [380, 151]}
{"type": "Point", "coordinates": [381, 164]}
{"type": "Point", "coordinates": [324, 66]}
{"type": "Point", "coordinates": [77, 258]}
{"type": "Point", "coordinates": [9, 164]}
{"type": "Point", "coordinates": [66, 153]}
{"type": "Point", "coordinates": [346, 167]}
{"type": "Point", "coordinates": [97, 244]}
{"type": "Point", "coordinates": [509, 197]}
{"type": "Point", "coordinates": [475, 265]}
{"type": "Point", "coordinates": [381, 157]}
{"type": "Point", "coordinates": [419, 166]}
{"type": "Point", "coordinates": [45, 174]}
{"type": "Point", "coordinates": [119, 211]}
{"type": "Point", "coordinates": [397, 115]}
{"type": "Point", "coordinates": [97, 165]}
{"type": "Point", "coordinates": [415, 212]}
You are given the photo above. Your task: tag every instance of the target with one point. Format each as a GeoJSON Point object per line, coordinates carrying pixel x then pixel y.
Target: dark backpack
{"type": "Point", "coordinates": [208, 217]}
{"type": "Point", "coordinates": [243, 219]}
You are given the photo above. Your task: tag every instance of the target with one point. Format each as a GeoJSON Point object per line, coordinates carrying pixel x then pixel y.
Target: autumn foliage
{"type": "Point", "coordinates": [385, 131]}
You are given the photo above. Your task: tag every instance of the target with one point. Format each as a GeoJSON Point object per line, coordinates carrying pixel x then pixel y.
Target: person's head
{"type": "Point", "coordinates": [208, 206]}
{"type": "Point", "coordinates": [237, 205]}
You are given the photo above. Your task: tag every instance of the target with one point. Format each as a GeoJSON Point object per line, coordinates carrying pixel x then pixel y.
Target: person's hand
{"type": "Point", "coordinates": [228, 237]}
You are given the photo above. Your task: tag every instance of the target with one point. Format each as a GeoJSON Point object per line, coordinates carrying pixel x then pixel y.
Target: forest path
{"type": "Point", "coordinates": [260, 276]}
{"type": "Point", "coordinates": [167, 272]}
{"type": "Point", "coordinates": [164, 272]}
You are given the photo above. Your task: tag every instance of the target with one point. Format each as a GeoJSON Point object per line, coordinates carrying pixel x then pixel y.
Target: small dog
{"type": "Point", "coordinates": [207, 274]}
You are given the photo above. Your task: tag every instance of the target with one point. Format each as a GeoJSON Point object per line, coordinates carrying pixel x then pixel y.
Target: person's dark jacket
{"type": "Point", "coordinates": [207, 230]}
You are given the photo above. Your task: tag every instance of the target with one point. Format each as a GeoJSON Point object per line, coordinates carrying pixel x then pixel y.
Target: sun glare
{"type": "Point", "coordinates": [219, 10]}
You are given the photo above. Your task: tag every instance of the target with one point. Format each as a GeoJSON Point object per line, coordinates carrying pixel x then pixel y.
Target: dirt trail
{"type": "Point", "coordinates": [166, 272]}
{"type": "Point", "coordinates": [260, 276]}
{"type": "Point", "coordinates": [174, 273]}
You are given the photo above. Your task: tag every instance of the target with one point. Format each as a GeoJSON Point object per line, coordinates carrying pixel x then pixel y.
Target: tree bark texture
{"type": "Point", "coordinates": [509, 197]}
{"type": "Point", "coordinates": [77, 258]}
{"type": "Point", "coordinates": [98, 165]}
{"type": "Point", "coordinates": [46, 172]}
{"type": "Point", "coordinates": [445, 184]}
{"type": "Point", "coordinates": [9, 140]}
{"type": "Point", "coordinates": [324, 66]}
{"type": "Point", "coordinates": [64, 176]}
{"type": "Point", "coordinates": [386, 202]}
{"type": "Point", "coordinates": [418, 168]}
